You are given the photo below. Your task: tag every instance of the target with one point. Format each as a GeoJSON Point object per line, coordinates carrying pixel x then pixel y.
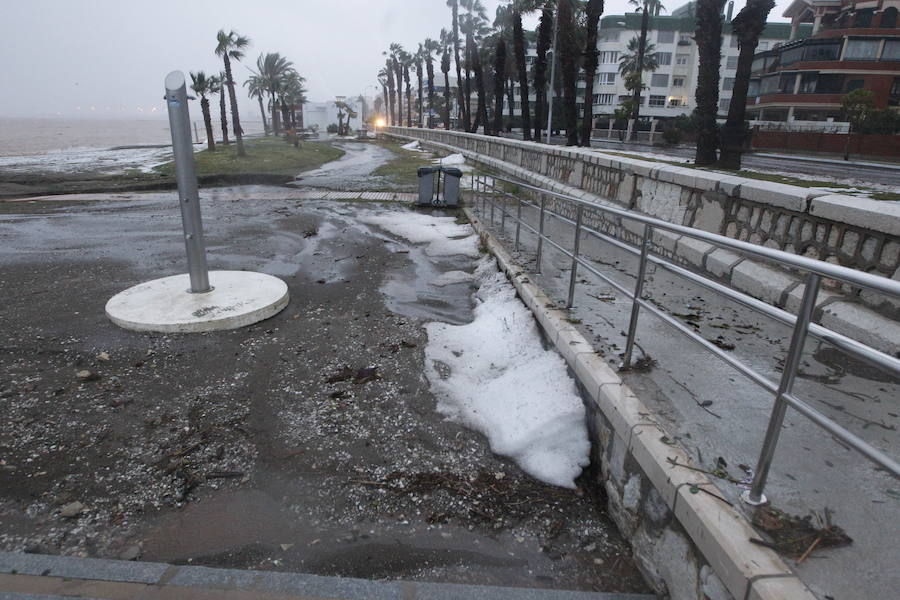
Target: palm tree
{"type": "Point", "coordinates": [647, 7]}
{"type": "Point", "coordinates": [473, 23]}
{"type": "Point", "coordinates": [272, 68]}
{"type": "Point", "coordinates": [203, 85]}
{"type": "Point", "coordinates": [454, 8]}
{"type": "Point", "coordinates": [445, 69]}
{"type": "Point", "coordinates": [519, 7]}
{"type": "Point", "coordinates": [568, 60]}
{"type": "Point", "coordinates": [499, 80]}
{"type": "Point", "coordinates": [219, 85]}
{"type": "Point", "coordinates": [389, 73]}
{"type": "Point", "coordinates": [293, 96]}
{"type": "Point", "coordinates": [256, 88]}
{"type": "Point", "coordinates": [628, 62]}
{"type": "Point", "coordinates": [396, 53]}
{"type": "Point", "coordinates": [709, 47]}
{"type": "Point", "coordinates": [419, 57]}
{"type": "Point", "coordinates": [383, 82]}
{"type": "Point", "coordinates": [429, 48]}
{"type": "Point", "coordinates": [231, 46]}
{"type": "Point", "coordinates": [747, 26]}
{"type": "Point", "coordinates": [406, 60]}
{"type": "Point", "coordinates": [593, 10]}
{"type": "Point", "coordinates": [545, 39]}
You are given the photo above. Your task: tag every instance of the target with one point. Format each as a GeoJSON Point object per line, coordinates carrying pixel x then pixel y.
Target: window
{"type": "Point", "coordinates": [861, 49]}
{"type": "Point", "coordinates": [674, 102]}
{"type": "Point", "coordinates": [768, 85]}
{"type": "Point", "coordinates": [808, 83]}
{"type": "Point", "coordinates": [681, 59]}
{"type": "Point", "coordinates": [786, 83]}
{"type": "Point", "coordinates": [609, 35]}
{"type": "Point", "coordinates": [606, 78]}
{"type": "Point", "coordinates": [894, 96]}
{"type": "Point", "coordinates": [659, 80]}
{"type": "Point", "coordinates": [854, 84]}
{"type": "Point", "coordinates": [628, 98]}
{"type": "Point", "coordinates": [762, 46]}
{"type": "Point", "coordinates": [731, 62]}
{"type": "Point", "coordinates": [889, 18]}
{"type": "Point", "coordinates": [724, 103]}
{"type": "Point", "coordinates": [864, 18]}
{"type": "Point", "coordinates": [734, 41]}
{"type": "Point", "coordinates": [604, 99]}
{"type": "Point", "coordinates": [678, 82]}
{"type": "Point", "coordinates": [753, 88]}
{"type": "Point", "coordinates": [608, 57]}
{"type": "Point", "coordinates": [891, 50]}
{"type": "Point", "coordinates": [830, 51]}
{"type": "Point", "coordinates": [829, 83]}
{"type": "Point", "coordinates": [792, 55]}
{"type": "Point", "coordinates": [663, 58]}
{"type": "Point", "coordinates": [665, 37]}
{"type": "Point", "coordinates": [684, 39]}
{"type": "Point", "coordinates": [728, 83]}
{"type": "Point", "coordinates": [657, 101]}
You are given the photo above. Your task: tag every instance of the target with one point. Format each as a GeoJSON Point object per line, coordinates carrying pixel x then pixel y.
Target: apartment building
{"type": "Point", "coordinates": [854, 44]}
{"type": "Point", "coordinates": [670, 88]}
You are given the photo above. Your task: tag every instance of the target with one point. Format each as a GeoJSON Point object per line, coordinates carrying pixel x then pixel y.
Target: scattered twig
{"type": "Point", "coordinates": [809, 550]}
{"type": "Point", "coordinates": [674, 462]}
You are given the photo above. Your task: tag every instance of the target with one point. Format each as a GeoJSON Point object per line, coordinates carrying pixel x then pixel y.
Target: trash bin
{"type": "Point", "coordinates": [427, 190]}
{"type": "Point", "coordinates": [452, 175]}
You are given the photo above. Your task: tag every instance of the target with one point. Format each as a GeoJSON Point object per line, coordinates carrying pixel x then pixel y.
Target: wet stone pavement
{"type": "Point", "coordinates": [308, 442]}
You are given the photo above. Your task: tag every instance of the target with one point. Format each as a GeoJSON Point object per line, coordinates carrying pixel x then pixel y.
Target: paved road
{"type": "Point", "coordinates": [714, 412]}
{"type": "Point", "coordinates": [803, 168]}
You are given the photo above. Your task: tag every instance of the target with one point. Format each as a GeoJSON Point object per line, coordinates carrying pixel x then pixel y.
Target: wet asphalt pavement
{"type": "Point", "coordinates": [308, 442]}
{"type": "Point", "coordinates": [351, 172]}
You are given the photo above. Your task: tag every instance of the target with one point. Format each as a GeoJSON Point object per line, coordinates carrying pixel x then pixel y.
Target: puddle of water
{"type": "Point", "coordinates": [352, 171]}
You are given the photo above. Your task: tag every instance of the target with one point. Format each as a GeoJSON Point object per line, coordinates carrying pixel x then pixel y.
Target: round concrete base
{"type": "Point", "coordinates": [238, 298]}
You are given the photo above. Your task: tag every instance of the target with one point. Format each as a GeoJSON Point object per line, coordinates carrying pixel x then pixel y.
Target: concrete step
{"type": "Point", "coordinates": [42, 577]}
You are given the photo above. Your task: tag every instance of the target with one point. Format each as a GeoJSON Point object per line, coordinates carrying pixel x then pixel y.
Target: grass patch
{"type": "Point", "coordinates": [267, 155]}
{"type": "Point", "coordinates": [886, 196]}
{"type": "Point", "coordinates": [401, 170]}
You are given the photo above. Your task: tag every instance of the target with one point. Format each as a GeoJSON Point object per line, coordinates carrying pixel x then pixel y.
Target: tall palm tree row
{"type": "Point", "coordinates": [230, 46]}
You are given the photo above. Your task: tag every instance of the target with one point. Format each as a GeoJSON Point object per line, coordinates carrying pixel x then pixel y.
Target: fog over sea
{"type": "Point", "coordinates": [70, 145]}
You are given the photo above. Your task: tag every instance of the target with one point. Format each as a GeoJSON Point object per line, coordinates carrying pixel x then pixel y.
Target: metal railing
{"type": "Point", "coordinates": [485, 189]}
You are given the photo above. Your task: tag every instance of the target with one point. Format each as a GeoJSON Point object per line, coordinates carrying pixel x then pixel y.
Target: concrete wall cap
{"type": "Point", "coordinates": [876, 215]}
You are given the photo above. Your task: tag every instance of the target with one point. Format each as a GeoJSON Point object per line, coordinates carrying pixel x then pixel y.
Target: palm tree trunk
{"type": "Point", "coordinates": [706, 96]}
{"type": "Point", "coordinates": [568, 57]}
{"type": "Point", "coordinates": [207, 122]}
{"type": "Point", "coordinates": [545, 38]}
{"type": "Point", "coordinates": [276, 125]}
{"type": "Point", "coordinates": [299, 122]}
{"type": "Point", "coordinates": [447, 100]}
{"type": "Point", "coordinates": [470, 60]}
{"type": "Point", "coordinates": [408, 97]}
{"type": "Point", "coordinates": [262, 111]}
{"type": "Point", "coordinates": [479, 85]}
{"type": "Point", "coordinates": [499, 81]}
{"type": "Point", "coordinates": [522, 68]}
{"type": "Point", "coordinates": [399, 70]}
{"type": "Point", "coordinates": [429, 72]}
{"type": "Point", "coordinates": [747, 25]}
{"type": "Point", "coordinates": [636, 93]}
{"type": "Point", "coordinates": [511, 102]}
{"type": "Point", "coordinates": [235, 117]}
{"type": "Point", "coordinates": [419, 78]}
{"type": "Point", "coordinates": [223, 115]}
{"type": "Point", "coordinates": [594, 10]}
{"type": "Point", "coordinates": [459, 86]}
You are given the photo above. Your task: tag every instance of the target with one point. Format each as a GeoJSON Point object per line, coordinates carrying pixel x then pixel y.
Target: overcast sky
{"type": "Point", "coordinates": [63, 57]}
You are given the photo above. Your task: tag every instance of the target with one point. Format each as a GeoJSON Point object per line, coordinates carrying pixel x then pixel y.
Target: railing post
{"type": "Point", "coordinates": [503, 215]}
{"type": "Point", "coordinates": [518, 219]}
{"type": "Point", "coordinates": [493, 192]}
{"type": "Point", "coordinates": [638, 291]}
{"type": "Point", "coordinates": [540, 235]}
{"type": "Point", "coordinates": [575, 246]}
{"type": "Point", "coordinates": [754, 496]}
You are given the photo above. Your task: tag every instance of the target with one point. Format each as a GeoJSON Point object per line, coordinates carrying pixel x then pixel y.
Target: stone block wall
{"type": "Point", "coordinates": [853, 232]}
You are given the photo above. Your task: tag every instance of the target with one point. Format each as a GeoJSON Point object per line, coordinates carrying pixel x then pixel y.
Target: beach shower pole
{"type": "Point", "coordinates": [186, 176]}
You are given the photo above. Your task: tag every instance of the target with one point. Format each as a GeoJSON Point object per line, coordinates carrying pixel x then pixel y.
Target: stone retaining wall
{"type": "Point", "coordinates": [854, 232]}
{"type": "Point", "coordinates": [857, 233]}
